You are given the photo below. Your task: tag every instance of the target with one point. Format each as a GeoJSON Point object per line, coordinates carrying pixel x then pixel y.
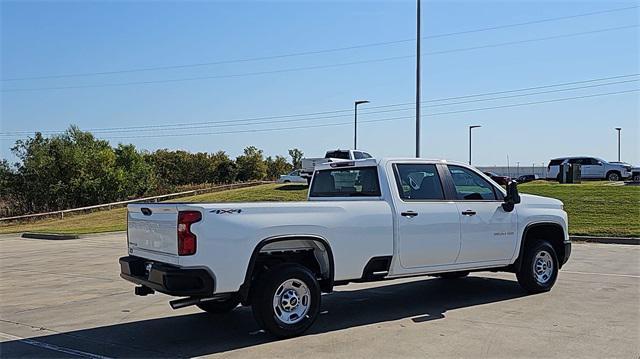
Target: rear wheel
{"type": "Point", "coordinates": [219, 306]}
{"type": "Point", "coordinates": [286, 300]}
{"type": "Point", "coordinates": [539, 267]}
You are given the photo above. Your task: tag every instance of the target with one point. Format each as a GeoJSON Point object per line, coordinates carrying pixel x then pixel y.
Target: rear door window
{"type": "Point", "coordinates": [346, 182]}
{"type": "Point", "coordinates": [418, 182]}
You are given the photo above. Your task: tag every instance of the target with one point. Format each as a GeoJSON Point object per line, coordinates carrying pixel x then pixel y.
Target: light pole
{"type": "Point", "coordinates": [618, 129]}
{"type": "Point", "coordinates": [355, 122]}
{"type": "Point", "coordinates": [471, 128]}
{"type": "Point", "coordinates": [418, 79]}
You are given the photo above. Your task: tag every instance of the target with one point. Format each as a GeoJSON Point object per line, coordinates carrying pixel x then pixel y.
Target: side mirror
{"type": "Point", "coordinates": [512, 198]}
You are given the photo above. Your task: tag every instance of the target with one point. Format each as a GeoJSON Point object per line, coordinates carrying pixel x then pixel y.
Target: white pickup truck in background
{"type": "Point", "coordinates": [309, 164]}
{"type": "Point", "coordinates": [364, 220]}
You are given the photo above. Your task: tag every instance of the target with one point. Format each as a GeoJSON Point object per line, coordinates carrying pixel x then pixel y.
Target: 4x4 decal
{"type": "Point", "coordinates": [226, 211]}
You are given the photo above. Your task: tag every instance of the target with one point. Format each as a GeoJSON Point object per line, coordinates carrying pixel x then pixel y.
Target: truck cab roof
{"type": "Point", "coordinates": [374, 162]}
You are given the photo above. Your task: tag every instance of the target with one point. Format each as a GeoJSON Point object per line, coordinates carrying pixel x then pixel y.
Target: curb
{"type": "Point", "coordinates": [50, 236]}
{"type": "Point", "coordinates": [607, 240]}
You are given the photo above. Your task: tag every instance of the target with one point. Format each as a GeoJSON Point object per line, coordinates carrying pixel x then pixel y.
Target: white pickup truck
{"type": "Point", "coordinates": [364, 220]}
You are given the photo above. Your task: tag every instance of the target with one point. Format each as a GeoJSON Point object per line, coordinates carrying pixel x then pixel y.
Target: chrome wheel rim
{"type": "Point", "coordinates": [291, 301]}
{"type": "Point", "coordinates": [543, 267]}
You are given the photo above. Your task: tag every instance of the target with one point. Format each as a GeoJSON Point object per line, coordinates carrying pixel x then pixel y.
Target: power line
{"type": "Point", "coordinates": [348, 111]}
{"type": "Point", "coordinates": [315, 52]}
{"type": "Point", "coordinates": [270, 122]}
{"type": "Point", "coordinates": [317, 67]}
{"type": "Point", "coordinates": [391, 119]}
{"type": "Point", "coordinates": [376, 120]}
{"type": "Point", "coordinates": [288, 118]}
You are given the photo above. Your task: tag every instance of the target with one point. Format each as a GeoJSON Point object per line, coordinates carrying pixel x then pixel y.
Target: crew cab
{"type": "Point", "coordinates": [364, 220]}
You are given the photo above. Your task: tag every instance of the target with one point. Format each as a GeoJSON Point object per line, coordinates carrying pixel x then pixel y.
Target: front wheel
{"type": "Point", "coordinates": [613, 176]}
{"type": "Point", "coordinates": [286, 300]}
{"type": "Point", "coordinates": [539, 268]}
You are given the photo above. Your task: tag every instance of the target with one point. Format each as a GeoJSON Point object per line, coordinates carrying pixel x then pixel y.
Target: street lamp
{"type": "Point", "coordinates": [355, 122]}
{"type": "Point", "coordinates": [417, 78]}
{"type": "Point", "coordinates": [618, 129]}
{"type": "Point", "coordinates": [471, 128]}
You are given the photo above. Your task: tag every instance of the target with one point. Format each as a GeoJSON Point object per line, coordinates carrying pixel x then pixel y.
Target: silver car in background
{"type": "Point", "coordinates": [292, 177]}
{"type": "Point", "coordinates": [591, 168]}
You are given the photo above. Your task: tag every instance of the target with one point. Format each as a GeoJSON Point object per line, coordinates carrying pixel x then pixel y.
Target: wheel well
{"type": "Point", "coordinates": [313, 253]}
{"type": "Point", "coordinates": [613, 171]}
{"type": "Point", "coordinates": [551, 232]}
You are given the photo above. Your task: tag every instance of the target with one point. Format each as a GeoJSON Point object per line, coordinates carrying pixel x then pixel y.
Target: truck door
{"type": "Point", "coordinates": [428, 225]}
{"type": "Point", "coordinates": [488, 232]}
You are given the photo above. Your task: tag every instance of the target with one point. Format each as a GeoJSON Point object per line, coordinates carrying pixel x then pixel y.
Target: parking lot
{"type": "Point", "coordinates": [65, 298]}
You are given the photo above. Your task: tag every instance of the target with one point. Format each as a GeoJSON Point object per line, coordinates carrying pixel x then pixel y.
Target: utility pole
{"type": "Point", "coordinates": [355, 123]}
{"type": "Point", "coordinates": [471, 128]}
{"type": "Point", "coordinates": [618, 129]}
{"type": "Point", "coordinates": [418, 79]}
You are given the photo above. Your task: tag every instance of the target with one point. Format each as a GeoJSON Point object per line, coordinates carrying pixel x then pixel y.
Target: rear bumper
{"type": "Point", "coordinates": [166, 278]}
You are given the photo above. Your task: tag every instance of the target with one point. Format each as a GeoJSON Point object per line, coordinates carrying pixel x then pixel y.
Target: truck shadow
{"type": "Point", "coordinates": [201, 334]}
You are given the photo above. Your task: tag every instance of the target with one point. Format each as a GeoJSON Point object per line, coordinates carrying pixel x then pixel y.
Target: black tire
{"type": "Point", "coordinates": [453, 275]}
{"type": "Point", "coordinates": [613, 176]}
{"type": "Point", "coordinates": [220, 306]}
{"type": "Point", "coordinates": [265, 292]}
{"type": "Point", "coordinates": [529, 275]}
{"type": "Point", "coordinates": [636, 178]}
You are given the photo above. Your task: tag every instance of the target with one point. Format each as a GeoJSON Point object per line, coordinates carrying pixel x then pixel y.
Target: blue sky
{"type": "Point", "coordinates": [58, 38]}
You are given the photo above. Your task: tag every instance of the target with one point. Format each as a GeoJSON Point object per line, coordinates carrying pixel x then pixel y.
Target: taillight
{"type": "Point", "coordinates": [186, 239]}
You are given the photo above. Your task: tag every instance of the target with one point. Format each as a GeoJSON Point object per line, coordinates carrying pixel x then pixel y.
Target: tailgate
{"type": "Point", "coordinates": [153, 227]}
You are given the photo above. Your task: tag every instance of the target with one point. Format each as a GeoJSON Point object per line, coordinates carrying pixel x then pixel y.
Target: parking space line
{"type": "Point", "coordinates": [53, 347]}
{"type": "Point", "coordinates": [603, 274]}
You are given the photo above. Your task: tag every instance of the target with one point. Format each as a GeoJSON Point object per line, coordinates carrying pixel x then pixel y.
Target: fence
{"type": "Point", "coordinates": [112, 205]}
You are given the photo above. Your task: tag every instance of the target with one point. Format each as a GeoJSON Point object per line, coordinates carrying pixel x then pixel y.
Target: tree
{"type": "Point", "coordinates": [222, 168]}
{"type": "Point", "coordinates": [138, 175]}
{"type": "Point", "coordinates": [277, 167]}
{"type": "Point", "coordinates": [69, 170]}
{"type": "Point", "coordinates": [251, 165]}
{"type": "Point", "coordinates": [296, 158]}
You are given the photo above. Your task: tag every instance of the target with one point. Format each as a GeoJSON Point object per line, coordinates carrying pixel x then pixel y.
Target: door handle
{"type": "Point", "coordinates": [469, 213]}
{"type": "Point", "coordinates": [409, 214]}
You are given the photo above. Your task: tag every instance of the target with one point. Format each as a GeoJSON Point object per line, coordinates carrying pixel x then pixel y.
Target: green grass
{"type": "Point", "coordinates": [595, 208]}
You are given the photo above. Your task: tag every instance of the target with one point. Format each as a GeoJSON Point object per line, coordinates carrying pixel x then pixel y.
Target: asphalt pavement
{"type": "Point", "coordinates": [64, 298]}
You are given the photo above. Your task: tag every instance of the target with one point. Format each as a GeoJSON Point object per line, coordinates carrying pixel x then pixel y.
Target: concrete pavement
{"type": "Point", "coordinates": [65, 299]}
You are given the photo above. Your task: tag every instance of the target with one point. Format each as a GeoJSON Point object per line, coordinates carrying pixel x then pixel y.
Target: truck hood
{"type": "Point", "coordinates": [531, 200]}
